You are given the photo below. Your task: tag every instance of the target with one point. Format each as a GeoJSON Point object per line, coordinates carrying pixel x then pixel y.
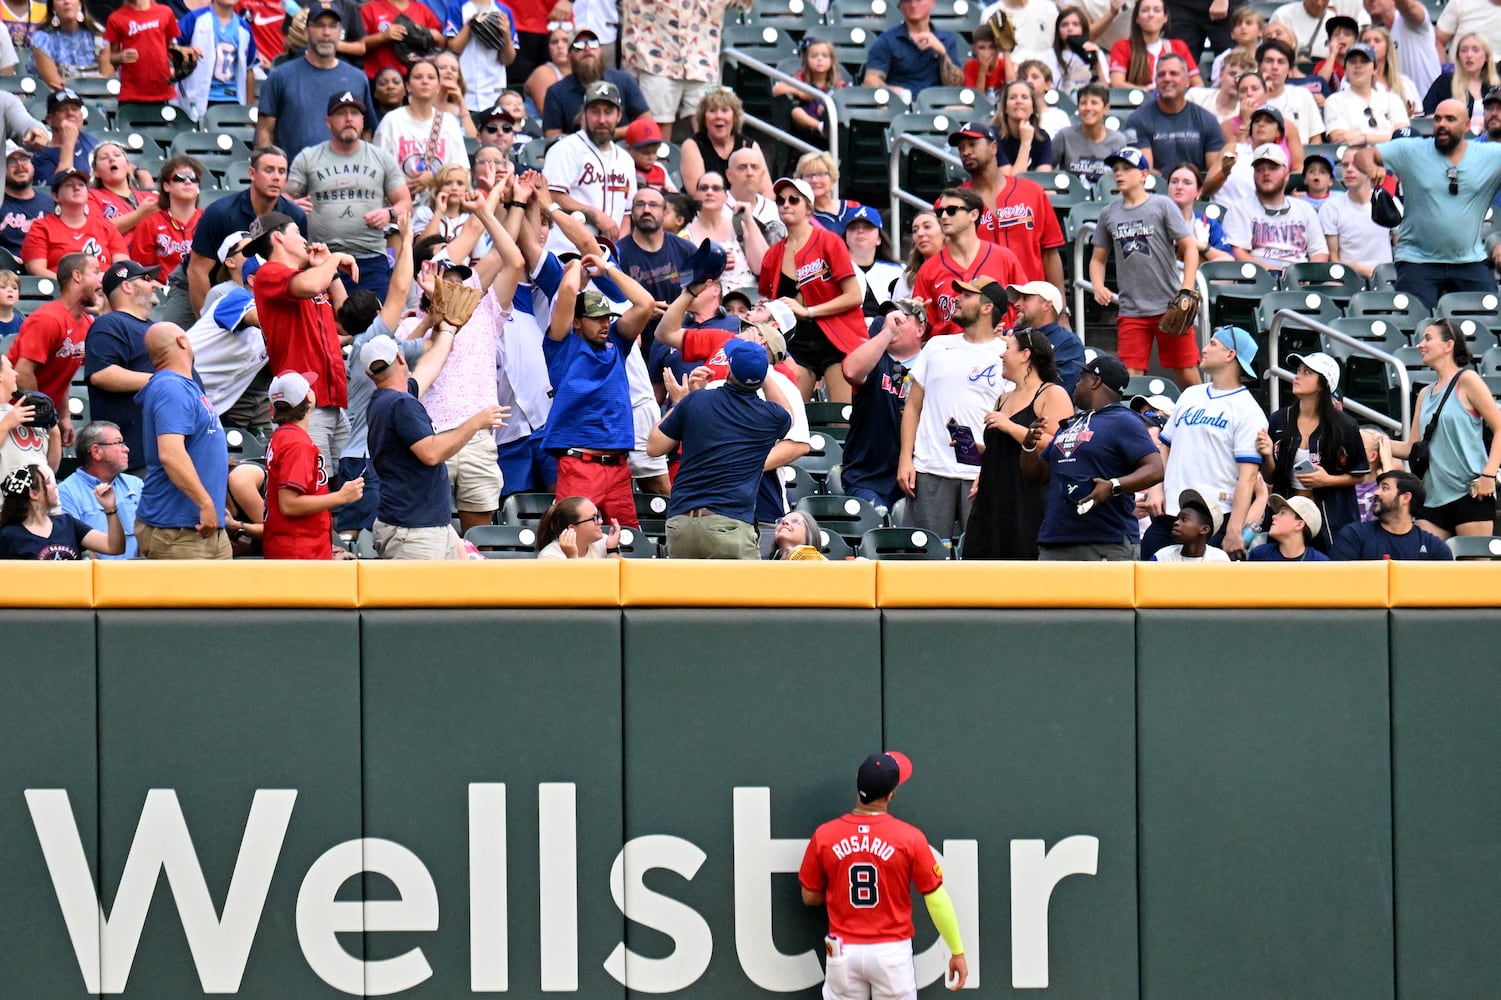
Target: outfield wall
{"type": "Point", "coordinates": [1144, 781]}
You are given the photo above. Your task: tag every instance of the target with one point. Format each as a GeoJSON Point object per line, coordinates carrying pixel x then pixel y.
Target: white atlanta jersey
{"type": "Point", "coordinates": [601, 178]}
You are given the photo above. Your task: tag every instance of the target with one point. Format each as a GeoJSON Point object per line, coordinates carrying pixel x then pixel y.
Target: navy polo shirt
{"type": "Point", "coordinates": [118, 338]}
{"type": "Point", "coordinates": [232, 215]}
{"type": "Point", "coordinates": [412, 493]}
{"type": "Point", "coordinates": [565, 101]}
{"type": "Point", "coordinates": [726, 435]}
{"type": "Point", "coordinates": [905, 65]}
{"type": "Point", "coordinates": [1369, 540]}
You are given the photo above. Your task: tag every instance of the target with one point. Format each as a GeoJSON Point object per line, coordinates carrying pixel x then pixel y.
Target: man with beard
{"type": "Point", "coordinates": [587, 172]}
{"type": "Point", "coordinates": [964, 257]}
{"type": "Point", "coordinates": [116, 365]}
{"type": "Point", "coordinates": [1491, 104]}
{"type": "Point", "coordinates": [23, 204]}
{"type": "Point", "coordinates": [297, 88]}
{"type": "Point", "coordinates": [1016, 211]}
{"type": "Point", "coordinates": [654, 257]}
{"type": "Point", "coordinates": [50, 347]}
{"type": "Point", "coordinates": [355, 190]}
{"type": "Point", "coordinates": [1448, 183]}
{"type": "Point", "coordinates": [225, 217]}
{"type": "Point", "coordinates": [1275, 230]}
{"type": "Point", "coordinates": [70, 147]}
{"type": "Point", "coordinates": [1394, 534]}
{"type": "Point", "coordinates": [565, 99]}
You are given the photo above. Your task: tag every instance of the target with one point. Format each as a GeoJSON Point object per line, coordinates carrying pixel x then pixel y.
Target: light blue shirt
{"type": "Point", "coordinates": [1439, 227]}
{"type": "Point", "coordinates": [76, 494]}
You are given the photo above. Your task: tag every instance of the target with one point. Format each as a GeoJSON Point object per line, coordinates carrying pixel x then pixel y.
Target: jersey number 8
{"type": "Point", "coordinates": [864, 892]}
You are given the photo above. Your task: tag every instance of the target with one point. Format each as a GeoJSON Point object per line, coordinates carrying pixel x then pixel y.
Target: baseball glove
{"type": "Point", "coordinates": [297, 30]}
{"type": "Point", "coordinates": [490, 29]}
{"type": "Point", "coordinates": [1182, 310]}
{"type": "Point", "coordinates": [454, 302]}
{"type": "Point", "coordinates": [184, 62]}
{"type": "Point", "coordinates": [1004, 30]}
{"type": "Point", "coordinates": [417, 42]}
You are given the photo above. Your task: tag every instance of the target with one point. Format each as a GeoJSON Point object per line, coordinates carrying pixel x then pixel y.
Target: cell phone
{"type": "Point", "coordinates": [965, 449]}
{"type": "Point", "coordinates": [1305, 468]}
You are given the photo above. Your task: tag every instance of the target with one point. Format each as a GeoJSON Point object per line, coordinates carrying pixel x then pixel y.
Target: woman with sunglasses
{"type": "Point", "coordinates": [422, 137]}
{"type": "Point", "coordinates": [1007, 503]}
{"type": "Point", "coordinates": [550, 72]}
{"type": "Point", "coordinates": [164, 238]}
{"type": "Point", "coordinates": [716, 134]}
{"type": "Point", "coordinates": [28, 529]}
{"type": "Point", "coordinates": [572, 528]}
{"type": "Point", "coordinates": [729, 226]}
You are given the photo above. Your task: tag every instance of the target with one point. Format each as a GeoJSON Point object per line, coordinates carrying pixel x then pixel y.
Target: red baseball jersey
{"type": "Point", "coordinates": [822, 263]}
{"type": "Point", "coordinates": [293, 462]}
{"type": "Point", "coordinates": [706, 344]}
{"type": "Point", "coordinates": [266, 18]}
{"type": "Point", "coordinates": [300, 333]}
{"type": "Point", "coordinates": [50, 238]}
{"type": "Point", "coordinates": [1022, 221]}
{"type": "Point", "coordinates": [149, 32]}
{"type": "Point", "coordinates": [863, 865]}
{"type": "Point", "coordinates": [53, 340]}
{"type": "Point", "coordinates": [935, 283]}
{"type": "Point", "coordinates": [161, 240]}
{"type": "Point", "coordinates": [378, 15]}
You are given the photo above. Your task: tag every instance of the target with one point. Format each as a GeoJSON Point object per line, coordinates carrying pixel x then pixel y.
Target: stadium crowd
{"type": "Point", "coordinates": [481, 252]}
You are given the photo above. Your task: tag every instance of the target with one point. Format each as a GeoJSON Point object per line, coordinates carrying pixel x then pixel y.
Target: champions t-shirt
{"type": "Point", "coordinates": [865, 866]}
{"type": "Point", "coordinates": [300, 333]}
{"type": "Point", "coordinates": [293, 462]}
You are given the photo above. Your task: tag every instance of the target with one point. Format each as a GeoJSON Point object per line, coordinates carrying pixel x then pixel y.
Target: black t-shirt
{"type": "Point", "coordinates": [16, 217]}
{"type": "Point", "coordinates": [870, 450]}
{"type": "Point", "coordinates": [65, 543]}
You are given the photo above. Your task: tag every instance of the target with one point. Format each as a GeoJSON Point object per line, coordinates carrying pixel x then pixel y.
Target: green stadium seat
{"type": "Point", "coordinates": [1475, 546]}
{"type": "Point", "coordinates": [1337, 281]}
{"type": "Point", "coordinates": [525, 508]}
{"type": "Point", "coordinates": [1151, 385]}
{"type": "Point", "coordinates": [1405, 312]}
{"type": "Point", "coordinates": [1235, 289]}
{"type": "Point", "coordinates": [503, 541]}
{"type": "Point", "coordinates": [849, 517]}
{"type": "Point", "coordinates": [1295, 339]}
{"type": "Point", "coordinates": [909, 544]}
{"type": "Point", "coordinates": [873, 15]}
{"type": "Point", "coordinates": [222, 117]}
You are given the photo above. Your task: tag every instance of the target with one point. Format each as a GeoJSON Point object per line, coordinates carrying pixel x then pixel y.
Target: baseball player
{"type": "Point", "coordinates": [860, 866]}
{"type": "Point", "coordinates": [587, 172]}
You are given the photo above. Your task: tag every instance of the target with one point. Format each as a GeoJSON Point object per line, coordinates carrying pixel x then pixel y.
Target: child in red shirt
{"type": "Point", "coordinates": [139, 34]}
{"type": "Point", "coordinates": [299, 519]}
{"type": "Point", "coordinates": [990, 68]}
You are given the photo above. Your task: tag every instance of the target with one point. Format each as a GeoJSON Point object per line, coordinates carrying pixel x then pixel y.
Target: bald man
{"type": "Point", "coordinates": [181, 513]}
{"type": "Point", "coordinates": [1448, 182]}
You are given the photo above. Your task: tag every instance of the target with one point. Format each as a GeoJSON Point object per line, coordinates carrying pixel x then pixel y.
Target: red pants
{"type": "Point", "coordinates": [1134, 344]}
{"type": "Point", "coordinates": [608, 486]}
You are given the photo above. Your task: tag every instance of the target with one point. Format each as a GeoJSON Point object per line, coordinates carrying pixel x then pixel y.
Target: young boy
{"type": "Point", "coordinates": [1246, 26]}
{"type": "Point", "coordinates": [299, 522]}
{"type": "Point", "coordinates": [140, 33]}
{"type": "Point", "coordinates": [1296, 522]}
{"type": "Point", "coordinates": [1343, 32]}
{"type": "Point", "coordinates": [643, 138]}
{"type": "Point", "coordinates": [10, 293]}
{"type": "Point", "coordinates": [1081, 149]}
{"type": "Point", "coordinates": [990, 68]}
{"type": "Point", "coordinates": [1318, 179]}
{"type": "Point", "coordinates": [1197, 521]}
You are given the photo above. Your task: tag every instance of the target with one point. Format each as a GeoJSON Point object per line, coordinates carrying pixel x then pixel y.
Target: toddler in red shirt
{"type": "Point", "coordinates": [299, 519]}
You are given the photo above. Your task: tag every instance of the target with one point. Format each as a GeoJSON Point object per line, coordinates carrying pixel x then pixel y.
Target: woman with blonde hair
{"type": "Point", "coordinates": [716, 134]}
{"type": "Point", "coordinates": [1388, 76]}
{"type": "Point", "coordinates": [744, 246]}
{"type": "Point", "coordinates": [822, 174]}
{"type": "Point", "coordinates": [445, 216]}
{"type": "Point", "coordinates": [1473, 74]}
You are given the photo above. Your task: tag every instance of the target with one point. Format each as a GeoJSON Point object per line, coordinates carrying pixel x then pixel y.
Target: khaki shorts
{"type": "Point", "coordinates": [644, 466]}
{"type": "Point", "coordinates": [416, 543]}
{"type": "Point", "coordinates": [180, 543]}
{"type": "Point", "coordinates": [671, 100]}
{"type": "Point", "coordinates": [474, 474]}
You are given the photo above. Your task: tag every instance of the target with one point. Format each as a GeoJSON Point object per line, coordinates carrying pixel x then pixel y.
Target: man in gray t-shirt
{"type": "Point", "coordinates": [352, 191]}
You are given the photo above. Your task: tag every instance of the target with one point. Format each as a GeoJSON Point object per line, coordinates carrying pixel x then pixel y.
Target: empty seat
{"type": "Point", "coordinates": [525, 508]}
{"type": "Point", "coordinates": [849, 517]}
{"type": "Point", "coordinates": [902, 543]}
{"type": "Point", "coordinates": [503, 541]}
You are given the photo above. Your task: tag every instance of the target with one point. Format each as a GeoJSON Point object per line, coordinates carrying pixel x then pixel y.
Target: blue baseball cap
{"type": "Point", "coordinates": [747, 362]}
{"type": "Point", "coordinates": [1239, 341]}
{"type": "Point", "coordinates": [866, 214]}
{"type": "Point", "coordinates": [1129, 156]}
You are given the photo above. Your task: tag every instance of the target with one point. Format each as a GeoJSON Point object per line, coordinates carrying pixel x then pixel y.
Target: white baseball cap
{"type": "Point", "coordinates": [1320, 362]}
{"type": "Point", "coordinates": [291, 388]}
{"type": "Point", "coordinates": [378, 354]}
{"type": "Point", "coordinates": [1306, 510]}
{"type": "Point", "coordinates": [1046, 290]}
{"type": "Point", "coordinates": [1269, 151]}
{"type": "Point", "coordinates": [782, 315]}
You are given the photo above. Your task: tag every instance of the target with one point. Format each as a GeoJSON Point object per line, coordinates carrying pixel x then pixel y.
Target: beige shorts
{"type": "Point", "coordinates": [180, 543]}
{"type": "Point", "coordinates": [669, 99]}
{"type": "Point", "coordinates": [416, 543]}
{"type": "Point", "coordinates": [473, 474]}
{"type": "Point", "coordinates": [644, 466]}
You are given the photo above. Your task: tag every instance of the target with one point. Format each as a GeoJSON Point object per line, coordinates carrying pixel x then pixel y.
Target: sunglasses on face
{"type": "Point", "coordinates": [711, 187]}
{"type": "Point", "coordinates": [184, 179]}
{"type": "Point", "coordinates": [584, 45]}
{"type": "Point", "coordinates": [951, 210]}
{"type": "Point", "coordinates": [788, 199]}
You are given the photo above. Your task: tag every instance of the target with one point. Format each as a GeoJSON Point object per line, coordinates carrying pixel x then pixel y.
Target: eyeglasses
{"type": "Point", "coordinates": [951, 210]}
{"type": "Point", "coordinates": [598, 518]}
{"type": "Point", "coordinates": [711, 187]}
{"type": "Point", "coordinates": [1453, 174]}
{"type": "Point", "coordinates": [788, 199]}
{"type": "Point", "coordinates": [818, 173]}
{"type": "Point", "coordinates": [584, 45]}
{"type": "Point", "coordinates": [110, 444]}
{"type": "Point", "coordinates": [184, 179]}
{"type": "Point", "coordinates": [791, 520]}
{"type": "Point", "coordinates": [497, 127]}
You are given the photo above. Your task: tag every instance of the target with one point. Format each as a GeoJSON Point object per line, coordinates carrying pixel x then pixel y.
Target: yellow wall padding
{"type": "Point", "coordinates": [270, 583]}
{"type": "Point", "coordinates": [1004, 585]}
{"type": "Point", "coordinates": [502, 583]}
{"type": "Point", "coordinates": [1445, 585]}
{"type": "Point", "coordinates": [47, 585]}
{"type": "Point", "coordinates": [688, 583]}
{"type": "Point", "coordinates": [1261, 585]}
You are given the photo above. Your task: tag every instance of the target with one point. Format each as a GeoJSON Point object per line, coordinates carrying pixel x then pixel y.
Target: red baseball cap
{"type": "Point", "coordinates": [643, 132]}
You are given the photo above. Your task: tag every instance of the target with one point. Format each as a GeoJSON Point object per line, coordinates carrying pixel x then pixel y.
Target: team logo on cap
{"type": "Point", "coordinates": [347, 98]}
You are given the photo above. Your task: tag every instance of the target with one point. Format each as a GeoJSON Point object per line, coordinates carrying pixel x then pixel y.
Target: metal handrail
{"type": "Point", "coordinates": [898, 196]}
{"type": "Point", "coordinates": [1082, 284]}
{"type": "Point", "coordinates": [1276, 373]}
{"type": "Point", "coordinates": [831, 113]}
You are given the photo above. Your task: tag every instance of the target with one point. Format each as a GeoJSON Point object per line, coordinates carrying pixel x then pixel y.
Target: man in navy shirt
{"type": "Point", "coordinates": [181, 513]}
{"type": "Point", "coordinates": [1038, 305]}
{"type": "Point", "coordinates": [912, 55]}
{"type": "Point", "coordinates": [268, 175]}
{"type": "Point", "coordinates": [654, 257]}
{"type": "Point", "coordinates": [877, 374]}
{"type": "Point", "coordinates": [1098, 461]}
{"type": "Point", "coordinates": [115, 363]}
{"type": "Point", "coordinates": [23, 203]}
{"type": "Point", "coordinates": [1169, 129]}
{"type": "Point", "coordinates": [409, 454]}
{"type": "Point", "coordinates": [1393, 535]}
{"type": "Point", "coordinates": [294, 99]}
{"type": "Point", "coordinates": [564, 100]}
{"type": "Point", "coordinates": [726, 434]}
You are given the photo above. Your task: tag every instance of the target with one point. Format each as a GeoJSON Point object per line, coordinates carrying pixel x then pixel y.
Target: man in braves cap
{"type": "Point", "coordinates": [862, 867]}
{"type": "Point", "coordinates": [64, 120]}
{"type": "Point", "coordinates": [587, 172]}
{"type": "Point", "coordinates": [116, 365]}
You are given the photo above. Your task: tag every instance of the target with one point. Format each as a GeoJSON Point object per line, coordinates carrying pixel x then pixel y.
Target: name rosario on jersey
{"type": "Point", "coordinates": [863, 845]}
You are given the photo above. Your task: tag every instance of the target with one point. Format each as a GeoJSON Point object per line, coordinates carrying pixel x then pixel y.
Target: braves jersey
{"type": "Point", "coordinates": [600, 178]}
{"type": "Point", "coordinates": [935, 283]}
{"type": "Point", "coordinates": [301, 335]}
{"type": "Point", "coordinates": [863, 865]}
{"type": "Point", "coordinates": [293, 462]}
{"type": "Point", "coordinates": [51, 238]}
{"type": "Point", "coordinates": [161, 240]}
{"type": "Point", "coordinates": [24, 445]}
{"type": "Point", "coordinates": [148, 32]}
{"type": "Point", "coordinates": [1023, 221]}
{"type": "Point", "coordinates": [52, 339]}
{"type": "Point", "coordinates": [266, 18]}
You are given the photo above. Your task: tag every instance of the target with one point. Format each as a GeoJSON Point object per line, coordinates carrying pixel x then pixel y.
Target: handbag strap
{"type": "Point", "coordinates": [1432, 427]}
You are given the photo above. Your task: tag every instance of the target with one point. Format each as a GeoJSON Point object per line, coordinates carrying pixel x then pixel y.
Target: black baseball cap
{"type": "Point", "coordinates": [63, 176]}
{"type": "Point", "coordinates": [1110, 371]}
{"type": "Point", "coordinates": [258, 241]}
{"type": "Point", "coordinates": [987, 287]}
{"type": "Point", "coordinates": [346, 99]}
{"type": "Point", "coordinates": [881, 773]}
{"type": "Point", "coordinates": [122, 271]}
{"type": "Point", "coordinates": [318, 8]}
{"type": "Point", "coordinates": [58, 98]}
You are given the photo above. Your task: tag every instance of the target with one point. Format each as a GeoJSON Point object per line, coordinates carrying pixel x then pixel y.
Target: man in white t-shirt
{"type": "Point", "coordinates": [1272, 229]}
{"type": "Point", "coordinates": [1209, 445]}
{"type": "Point", "coordinates": [1461, 17]}
{"type": "Point", "coordinates": [587, 172]}
{"type": "Point", "coordinates": [1308, 20]}
{"type": "Point", "coordinates": [1413, 35]}
{"type": "Point", "coordinates": [1354, 240]}
{"type": "Point", "coordinates": [955, 380]}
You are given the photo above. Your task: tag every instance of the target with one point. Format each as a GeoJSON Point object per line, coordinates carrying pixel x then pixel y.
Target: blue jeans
{"type": "Point", "coordinates": [360, 514]}
{"type": "Point", "coordinates": [375, 275]}
{"type": "Point", "coordinates": [525, 467]}
{"type": "Point", "coordinates": [1429, 282]}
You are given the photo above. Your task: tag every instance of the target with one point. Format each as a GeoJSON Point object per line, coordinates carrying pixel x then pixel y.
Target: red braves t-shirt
{"type": "Point", "coordinates": [300, 333]}
{"type": "Point", "coordinates": [51, 238]}
{"type": "Point", "coordinates": [378, 15]}
{"type": "Point", "coordinates": [706, 344]}
{"type": "Point", "coordinates": [52, 339]}
{"type": "Point", "coordinates": [1023, 221]}
{"type": "Point", "coordinates": [293, 462]}
{"type": "Point", "coordinates": [162, 240]}
{"type": "Point", "coordinates": [863, 865]}
{"type": "Point", "coordinates": [935, 283]}
{"type": "Point", "coordinates": [149, 32]}
{"type": "Point", "coordinates": [822, 263]}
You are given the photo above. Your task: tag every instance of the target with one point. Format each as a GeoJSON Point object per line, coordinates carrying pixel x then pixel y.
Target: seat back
{"type": "Point", "coordinates": [902, 544]}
